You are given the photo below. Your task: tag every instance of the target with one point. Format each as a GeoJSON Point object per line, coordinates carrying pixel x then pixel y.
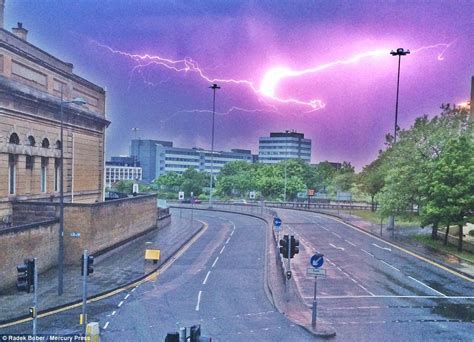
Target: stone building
{"type": "Point", "coordinates": [33, 86]}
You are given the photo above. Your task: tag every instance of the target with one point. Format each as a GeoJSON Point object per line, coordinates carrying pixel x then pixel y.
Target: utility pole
{"type": "Point", "coordinates": [214, 87]}
{"type": "Point", "coordinates": [400, 52]}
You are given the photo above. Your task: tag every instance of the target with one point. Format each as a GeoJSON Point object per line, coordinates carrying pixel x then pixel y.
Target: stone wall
{"type": "Point", "coordinates": [38, 240]}
{"type": "Point", "coordinates": [102, 225]}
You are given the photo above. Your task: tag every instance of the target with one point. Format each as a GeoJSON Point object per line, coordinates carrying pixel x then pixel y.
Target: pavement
{"type": "Point", "coordinates": [114, 269]}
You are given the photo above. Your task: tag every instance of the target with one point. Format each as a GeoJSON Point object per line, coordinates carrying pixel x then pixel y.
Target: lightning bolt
{"type": "Point", "coordinates": [266, 89]}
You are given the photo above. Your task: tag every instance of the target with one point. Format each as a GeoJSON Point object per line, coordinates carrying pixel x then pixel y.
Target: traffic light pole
{"type": "Point", "coordinates": [84, 287]}
{"type": "Point", "coordinates": [35, 295]}
{"type": "Point", "coordinates": [289, 268]}
{"type": "Point", "coordinates": [315, 305]}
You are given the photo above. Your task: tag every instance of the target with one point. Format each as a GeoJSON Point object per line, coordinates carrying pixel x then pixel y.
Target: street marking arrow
{"type": "Point", "coordinates": [341, 248]}
{"type": "Point", "coordinates": [386, 248]}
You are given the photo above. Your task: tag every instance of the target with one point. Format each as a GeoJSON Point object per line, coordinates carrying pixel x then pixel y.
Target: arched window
{"type": "Point", "coordinates": [14, 139]}
{"type": "Point", "coordinates": [31, 141]}
{"type": "Point", "coordinates": [45, 143]}
{"type": "Point", "coordinates": [58, 144]}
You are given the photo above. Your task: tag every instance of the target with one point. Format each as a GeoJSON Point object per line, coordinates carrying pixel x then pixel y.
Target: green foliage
{"type": "Point", "coordinates": [124, 186]}
{"type": "Point", "coordinates": [430, 168]}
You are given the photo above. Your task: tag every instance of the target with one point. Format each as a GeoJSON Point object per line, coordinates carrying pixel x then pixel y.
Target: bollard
{"type": "Point", "coordinates": [93, 332]}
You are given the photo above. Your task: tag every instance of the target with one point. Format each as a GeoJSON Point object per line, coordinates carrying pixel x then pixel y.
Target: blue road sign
{"type": "Point", "coordinates": [317, 260]}
{"type": "Point", "coordinates": [277, 222]}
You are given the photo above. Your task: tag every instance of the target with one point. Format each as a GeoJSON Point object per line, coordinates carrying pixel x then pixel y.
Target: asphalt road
{"type": "Point", "coordinates": [218, 283]}
{"type": "Point", "coordinates": [375, 291]}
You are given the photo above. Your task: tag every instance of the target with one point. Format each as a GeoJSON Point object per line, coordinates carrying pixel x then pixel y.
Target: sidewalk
{"type": "Point", "coordinates": [111, 270]}
{"type": "Point", "coordinates": [401, 237]}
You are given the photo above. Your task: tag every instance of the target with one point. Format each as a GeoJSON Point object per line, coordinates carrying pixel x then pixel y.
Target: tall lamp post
{"type": "Point", "coordinates": [214, 87]}
{"type": "Point", "coordinates": [399, 52]}
{"type": "Point", "coordinates": [77, 101]}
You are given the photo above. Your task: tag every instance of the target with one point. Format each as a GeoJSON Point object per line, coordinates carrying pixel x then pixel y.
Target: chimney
{"type": "Point", "coordinates": [2, 10]}
{"type": "Point", "coordinates": [19, 31]}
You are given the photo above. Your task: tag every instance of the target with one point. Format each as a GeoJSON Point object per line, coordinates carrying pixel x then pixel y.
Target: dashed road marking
{"type": "Point", "coordinates": [336, 235]}
{"type": "Point", "coordinates": [350, 243]}
{"type": "Point", "coordinates": [340, 248]}
{"type": "Point", "coordinates": [205, 279]}
{"type": "Point", "coordinates": [128, 295]}
{"type": "Point", "coordinates": [114, 312]}
{"type": "Point", "coordinates": [222, 250]}
{"type": "Point", "coordinates": [420, 282]}
{"type": "Point", "coordinates": [120, 304]}
{"type": "Point", "coordinates": [215, 261]}
{"type": "Point", "coordinates": [199, 301]}
{"type": "Point", "coordinates": [227, 241]}
{"type": "Point", "coordinates": [363, 250]}
{"type": "Point", "coordinates": [385, 248]}
{"type": "Point", "coordinates": [389, 265]}
{"type": "Point", "coordinates": [105, 325]}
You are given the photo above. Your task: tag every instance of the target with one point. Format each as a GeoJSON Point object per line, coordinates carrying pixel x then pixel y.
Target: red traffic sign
{"type": "Point", "coordinates": [311, 192]}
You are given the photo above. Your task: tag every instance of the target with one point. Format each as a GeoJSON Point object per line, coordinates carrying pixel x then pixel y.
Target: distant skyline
{"type": "Point", "coordinates": [321, 68]}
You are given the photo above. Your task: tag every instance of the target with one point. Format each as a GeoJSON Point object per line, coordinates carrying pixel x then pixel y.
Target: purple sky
{"type": "Point", "coordinates": [243, 40]}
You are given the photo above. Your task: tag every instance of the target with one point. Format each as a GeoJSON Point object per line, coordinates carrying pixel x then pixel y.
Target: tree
{"type": "Point", "coordinates": [371, 180]}
{"type": "Point", "coordinates": [450, 189]}
{"type": "Point", "coordinates": [321, 176]}
{"type": "Point", "coordinates": [193, 181]}
{"type": "Point", "coordinates": [170, 181]}
{"type": "Point", "coordinates": [124, 186]}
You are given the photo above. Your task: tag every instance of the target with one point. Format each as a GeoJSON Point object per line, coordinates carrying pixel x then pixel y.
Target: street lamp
{"type": "Point", "coordinates": [77, 101]}
{"type": "Point", "coordinates": [214, 87]}
{"type": "Point", "coordinates": [400, 52]}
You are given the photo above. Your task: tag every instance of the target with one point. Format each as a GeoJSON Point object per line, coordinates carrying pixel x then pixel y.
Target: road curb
{"type": "Point", "coordinates": [454, 269]}
{"type": "Point", "coordinates": [322, 333]}
{"type": "Point", "coordinates": [76, 303]}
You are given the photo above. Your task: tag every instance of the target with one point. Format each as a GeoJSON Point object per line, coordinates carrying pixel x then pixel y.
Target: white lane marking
{"type": "Point", "coordinates": [232, 233]}
{"type": "Point", "coordinates": [114, 312]}
{"type": "Point", "coordinates": [341, 248]}
{"type": "Point", "coordinates": [362, 287]}
{"type": "Point", "coordinates": [325, 228]}
{"type": "Point", "coordinates": [336, 235]}
{"type": "Point", "coordinates": [420, 282]}
{"type": "Point", "coordinates": [199, 301]}
{"type": "Point", "coordinates": [390, 296]}
{"type": "Point", "coordinates": [134, 288]}
{"type": "Point", "coordinates": [205, 279]}
{"type": "Point", "coordinates": [215, 261]}
{"type": "Point", "coordinates": [120, 304]}
{"type": "Point", "coordinates": [222, 250]}
{"type": "Point", "coordinates": [389, 265]}
{"type": "Point", "coordinates": [386, 248]}
{"type": "Point", "coordinates": [363, 250]}
{"type": "Point", "coordinates": [128, 295]}
{"type": "Point", "coordinates": [227, 241]}
{"type": "Point", "coordinates": [105, 325]}
{"type": "Point", "coordinates": [350, 243]}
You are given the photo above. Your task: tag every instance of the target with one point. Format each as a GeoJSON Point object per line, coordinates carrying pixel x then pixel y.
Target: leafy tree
{"type": "Point", "coordinates": [124, 186]}
{"type": "Point", "coordinates": [371, 180]}
{"type": "Point", "coordinates": [169, 181]}
{"type": "Point", "coordinates": [321, 176]}
{"type": "Point", "coordinates": [194, 181]}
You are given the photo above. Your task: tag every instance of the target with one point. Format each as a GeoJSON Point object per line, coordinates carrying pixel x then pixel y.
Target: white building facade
{"type": "Point", "coordinates": [281, 146]}
{"type": "Point", "coordinates": [114, 173]}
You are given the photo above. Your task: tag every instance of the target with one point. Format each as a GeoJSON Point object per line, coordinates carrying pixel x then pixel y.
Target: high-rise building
{"type": "Point", "coordinates": [283, 146]}
{"type": "Point", "coordinates": [159, 157]}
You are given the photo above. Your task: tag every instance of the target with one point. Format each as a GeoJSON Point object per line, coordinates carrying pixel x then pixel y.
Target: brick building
{"type": "Point", "coordinates": [31, 85]}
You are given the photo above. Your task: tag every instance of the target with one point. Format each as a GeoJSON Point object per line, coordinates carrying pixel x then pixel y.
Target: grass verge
{"type": "Point", "coordinates": [438, 245]}
{"type": "Point", "coordinates": [374, 217]}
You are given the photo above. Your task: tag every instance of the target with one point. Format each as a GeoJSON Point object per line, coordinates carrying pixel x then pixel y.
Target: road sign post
{"type": "Point", "coordinates": [317, 260]}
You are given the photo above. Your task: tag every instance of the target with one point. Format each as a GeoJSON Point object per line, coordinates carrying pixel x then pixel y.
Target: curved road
{"type": "Point", "coordinates": [218, 283]}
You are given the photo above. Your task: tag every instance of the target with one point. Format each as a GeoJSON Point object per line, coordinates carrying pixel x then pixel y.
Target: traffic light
{"type": "Point", "coordinates": [89, 266]}
{"type": "Point", "coordinates": [284, 246]}
{"type": "Point", "coordinates": [33, 312]}
{"type": "Point", "coordinates": [294, 246]}
{"type": "Point", "coordinates": [25, 278]}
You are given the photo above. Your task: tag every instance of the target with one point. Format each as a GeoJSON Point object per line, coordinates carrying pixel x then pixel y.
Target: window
{"type": "Point", "coordinates": [14, 139]}
{"type": "Point", "coordinates": [58, 144]}
{"type": "Point", "coordinates": [31, 141]}
{"type": "Point", "coordinates": [45, 143]}
{"type": "Point", "coordinates": [57, 172]}
{"type": "Point", "coordinates": [11, 174]}
{"type": "Point", "coordinates": [44, 164]}
{"type": "Point", "coordinates": [30, 161]}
